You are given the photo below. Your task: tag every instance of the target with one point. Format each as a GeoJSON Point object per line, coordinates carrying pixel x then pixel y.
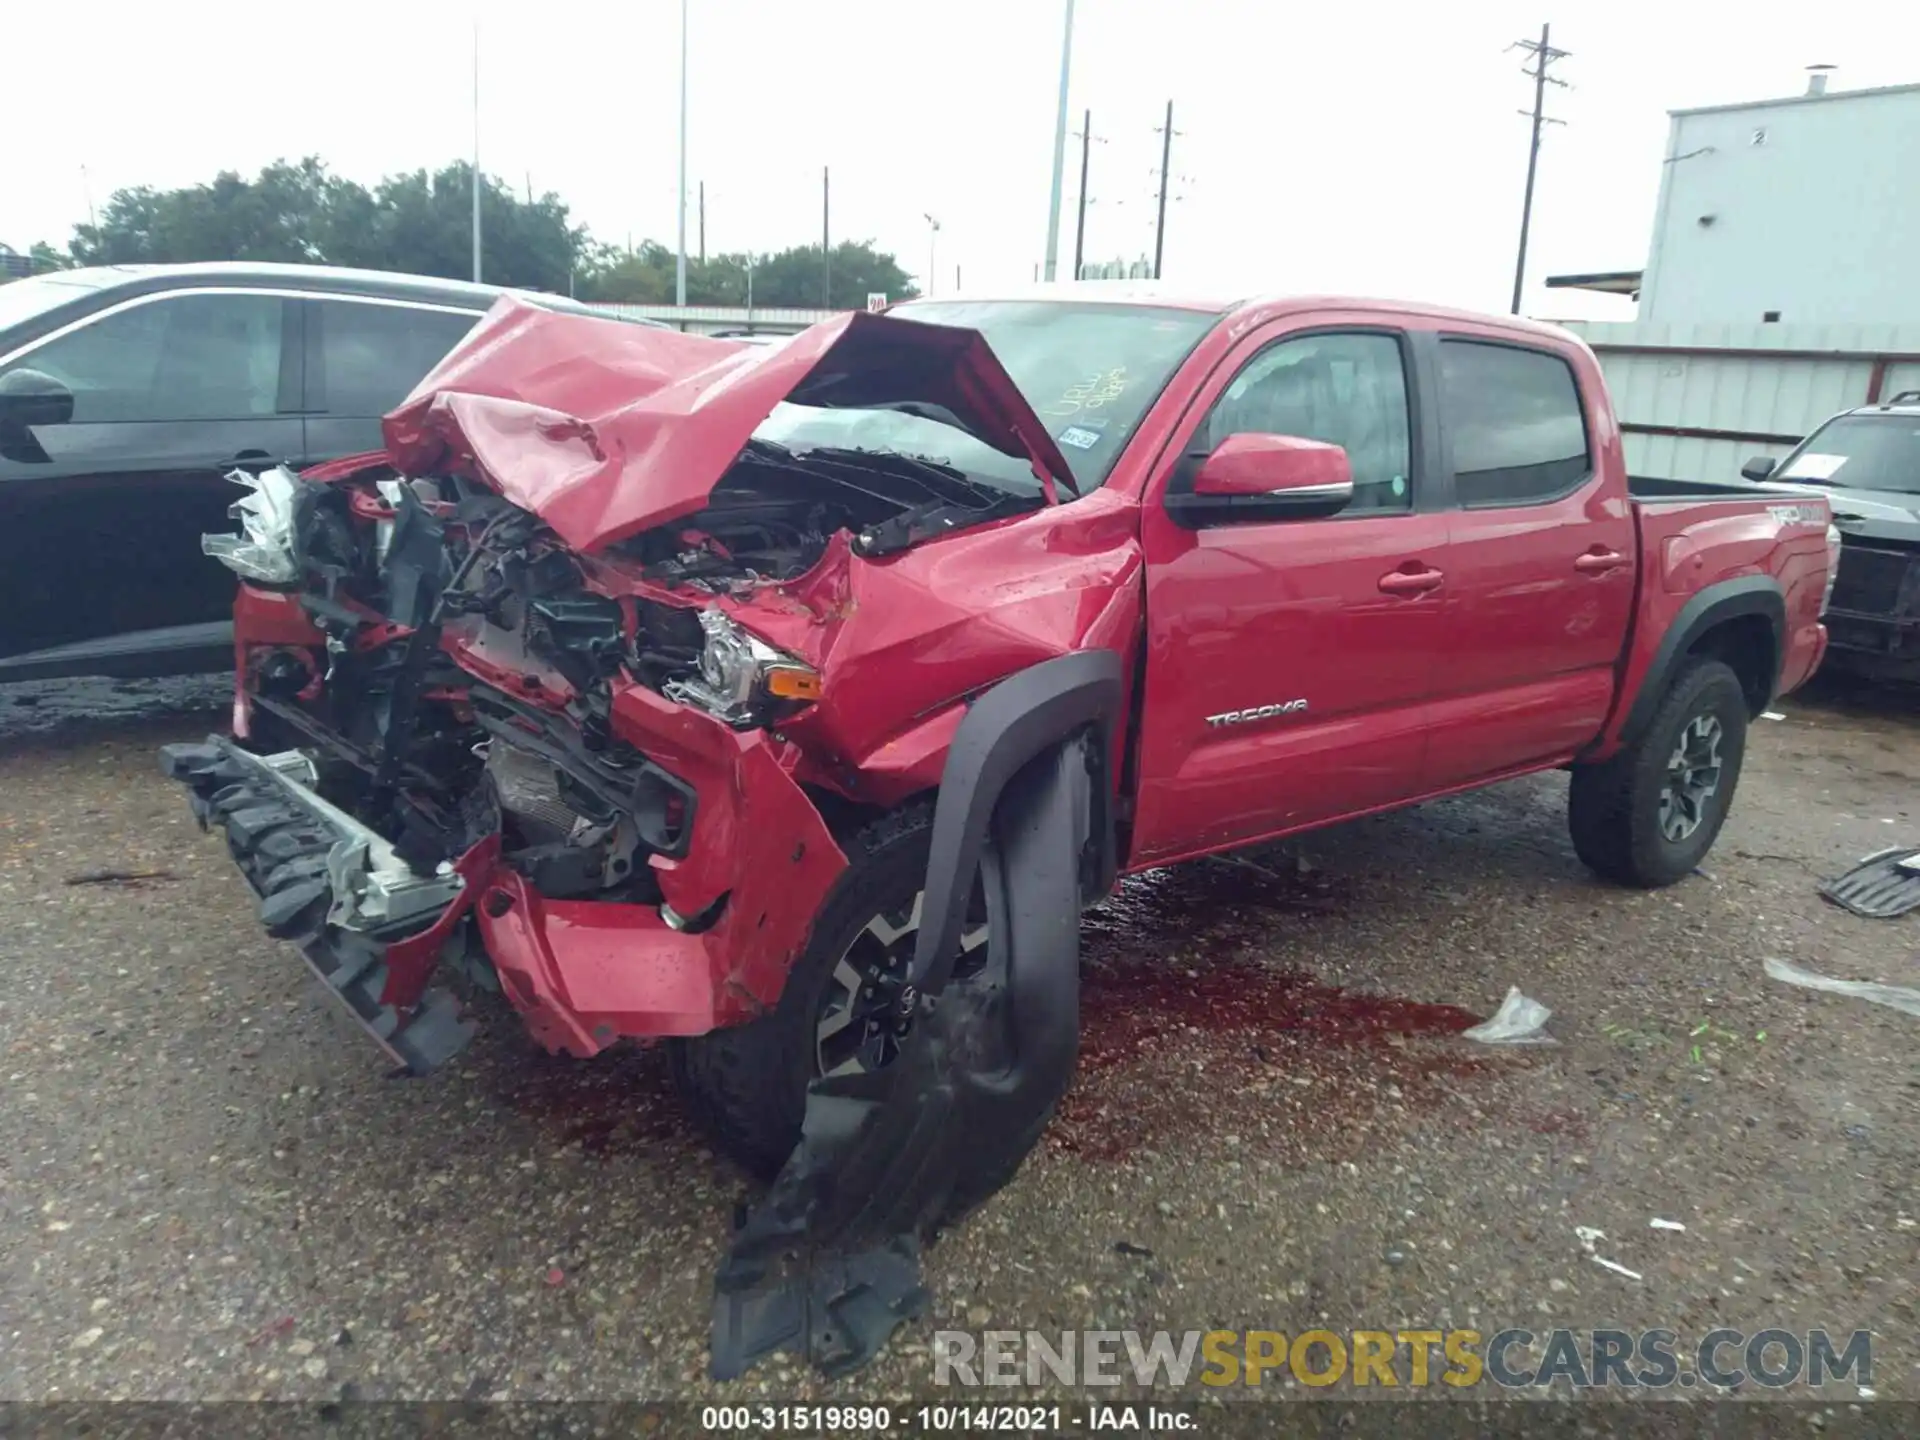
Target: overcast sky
{"type": "Point", "coordinates": [1365, 148]}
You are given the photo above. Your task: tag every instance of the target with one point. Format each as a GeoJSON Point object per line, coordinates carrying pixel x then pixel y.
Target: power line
{"type": "Point", "coordinates": [1543, 55]}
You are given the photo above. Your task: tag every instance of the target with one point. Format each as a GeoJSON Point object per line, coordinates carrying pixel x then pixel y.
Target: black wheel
{"type": "Point", "coordinates": [1649, 815]}
{"type": "Point", "coordinates": [840, 1012]}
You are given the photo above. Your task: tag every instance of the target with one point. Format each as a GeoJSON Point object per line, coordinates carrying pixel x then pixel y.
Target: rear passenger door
{"type": "Point", "coordinates": [363, 356]}
{"type": "Point", "coordinates": [1540, 562]}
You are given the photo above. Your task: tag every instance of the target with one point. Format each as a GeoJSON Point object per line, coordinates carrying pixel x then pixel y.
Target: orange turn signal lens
{"type": "Point", "coordinates": [793, 682]}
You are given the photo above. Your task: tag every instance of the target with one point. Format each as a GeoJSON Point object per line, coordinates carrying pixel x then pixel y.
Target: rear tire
{"type": "Point", "coordinates": [1648, 816]}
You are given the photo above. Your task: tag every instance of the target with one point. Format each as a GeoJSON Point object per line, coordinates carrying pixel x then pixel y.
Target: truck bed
{"type": "Point", "coordinates": [1653, 487]}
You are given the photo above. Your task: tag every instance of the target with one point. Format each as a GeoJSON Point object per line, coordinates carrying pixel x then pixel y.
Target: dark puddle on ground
{"type": "Point", "coordinates": [55, 707]}
{"type": "Point", "coordinates": [1281, 1062]}
{"type": "Point", "coordinates": [1174, 1050]}
{"type": "Point", "coordinates": [1159, 909]}
{"type": "Point", "coordinates": [619, 1103]}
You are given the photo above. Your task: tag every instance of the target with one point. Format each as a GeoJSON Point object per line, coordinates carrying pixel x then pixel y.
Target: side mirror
{"type": "Point", "coordinates": [1251, 477]}
{"type": "Point", "coordinates": [1759, 467]}
{"type": "Point", "coordinates": [28, 398]}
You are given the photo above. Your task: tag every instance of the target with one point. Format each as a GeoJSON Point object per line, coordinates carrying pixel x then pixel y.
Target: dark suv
{"type": "Point", "coordinates": [1867, 460]}
{"type": "Point", "coordinates": [127, 394]}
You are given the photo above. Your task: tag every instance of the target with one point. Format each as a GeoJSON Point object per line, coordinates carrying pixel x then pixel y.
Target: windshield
{"type": "Point", "coordinates": [22, 300]}
{"type": "Point", "coordinates": [1859, 452]}
{"type": "Point", "coordinates": [1090, 371]}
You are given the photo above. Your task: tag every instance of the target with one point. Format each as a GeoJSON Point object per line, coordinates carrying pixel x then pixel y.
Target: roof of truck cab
{"type": "Point", "coordinates": [1159, 294]}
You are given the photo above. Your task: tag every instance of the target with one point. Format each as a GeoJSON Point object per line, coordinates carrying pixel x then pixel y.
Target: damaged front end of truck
{"type": "Point", "coordinates": [593, 691]}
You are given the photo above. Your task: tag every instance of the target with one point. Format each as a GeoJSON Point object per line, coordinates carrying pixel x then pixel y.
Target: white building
{"type": "Point", "coordinates": [1803, 211]}
{"type": "Point", "coordinates": [1782, 280]}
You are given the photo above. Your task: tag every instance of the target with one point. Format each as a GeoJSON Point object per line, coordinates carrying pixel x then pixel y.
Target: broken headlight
{"type": "Point", "coordinates": [742, 679]}
{"type": "Point", "coordinates": [263, 550]}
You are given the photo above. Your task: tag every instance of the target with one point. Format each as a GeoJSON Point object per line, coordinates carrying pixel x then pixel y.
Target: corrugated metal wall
{"type": "Point", "coordinates": [1755, 389]}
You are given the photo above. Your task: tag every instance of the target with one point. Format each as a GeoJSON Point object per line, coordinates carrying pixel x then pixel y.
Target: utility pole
{"type": "Point", "coordinates": [703, 222]}
{"type": "Point", "coordinates": [1080, 222]}
{"type": "Point", "coordinates": [1059, 146]}
{"type": "Point", "coordinates": [1166, 163]}
{"type": "Point", "coordinates": [680, 262]}
{"type": "Point", "coordinates": [476, 152]}
{"type": "Point", "coordinates": [1543, 56]}
{"type": "Point", "coordinates": [933, 252]}
{"type": "Point", "coordinates": [826, 245]}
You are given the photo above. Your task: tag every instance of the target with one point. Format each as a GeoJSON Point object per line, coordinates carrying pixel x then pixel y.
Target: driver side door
{"type": "Point", "coordinates": [1290, 662]}
{"type": "Point", "coordinates": [101, 515]}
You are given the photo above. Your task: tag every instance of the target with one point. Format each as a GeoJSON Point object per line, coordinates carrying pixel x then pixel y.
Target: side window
{"type": "Point", "coordinates": [189, 357]}
{"type": "Point", "coordinates": [371, 354]}
{"type": "Point", "coordinates": [1514, 418]}
{"type": "Point", "coordinates": [1348, 390]}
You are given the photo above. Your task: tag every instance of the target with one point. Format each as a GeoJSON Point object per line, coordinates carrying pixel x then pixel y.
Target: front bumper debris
{"type": "Point", "coordinates": [359, 915]}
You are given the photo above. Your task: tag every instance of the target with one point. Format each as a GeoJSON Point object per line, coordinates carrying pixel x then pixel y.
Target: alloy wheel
{"type": "Point", "coordinates": [865, 1012]}
{"type": "Point", "coordinates": [1693, 778]}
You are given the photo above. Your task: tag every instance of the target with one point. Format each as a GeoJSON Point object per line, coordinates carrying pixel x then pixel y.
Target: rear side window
{"type": "Point", "coordinates": [371, 355]}
{"type": "Point", "coordinates": [1514, 418]}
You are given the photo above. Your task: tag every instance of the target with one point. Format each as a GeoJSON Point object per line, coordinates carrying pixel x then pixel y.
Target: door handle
{"type": "Point", "coordinates": [1410, 582]}
{"type": "Point", "coordinates": [246, 458]}
{"type": "Point", "coordinates": [1598, 562]}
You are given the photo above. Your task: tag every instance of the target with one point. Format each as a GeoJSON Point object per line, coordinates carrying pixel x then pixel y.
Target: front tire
{"type": "Point", "coordinates": [747, 1085]}
{"type": "Point", "coordinates": [1648, 816]}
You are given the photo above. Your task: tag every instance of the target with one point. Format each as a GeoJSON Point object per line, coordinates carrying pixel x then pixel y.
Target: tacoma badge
{"type": "Point", "coordinates": [1258, 712]}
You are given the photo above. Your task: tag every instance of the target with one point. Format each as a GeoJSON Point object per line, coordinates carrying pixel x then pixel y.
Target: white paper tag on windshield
{"type": "Point", "coordinates": [1814, 467]}
{"type": "Point", "coordinates": [1079, 438]}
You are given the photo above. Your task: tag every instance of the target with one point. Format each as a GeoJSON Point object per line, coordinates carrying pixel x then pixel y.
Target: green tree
{"type": "Point", "coordinates": [420, 223]}
{"type": "Point", "coordinates": [423, 223]}
{"type": "Point", "coordinates": [794, 277]}
{"type": "Point", "coordinates": [45, 257]}
{"type": "Point", "coordinates": [645, 276]}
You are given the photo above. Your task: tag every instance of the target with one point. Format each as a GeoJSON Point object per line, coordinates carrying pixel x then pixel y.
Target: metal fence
{"type": "Point", "coordinates": [1695, 401]}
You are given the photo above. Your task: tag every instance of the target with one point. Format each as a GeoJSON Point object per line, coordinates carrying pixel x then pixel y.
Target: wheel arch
{"type": "Point", "coordinates": [1010, 725]}
{"type": "Point", "coordinates": [1742, 622]}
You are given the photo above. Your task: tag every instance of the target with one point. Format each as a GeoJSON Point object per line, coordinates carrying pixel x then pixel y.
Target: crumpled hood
{"type": "Point", "coordinates": [604, 429]}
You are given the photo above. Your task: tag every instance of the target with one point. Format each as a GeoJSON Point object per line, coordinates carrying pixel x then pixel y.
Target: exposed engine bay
{"type": "Point", "coordinates": [403, 734]}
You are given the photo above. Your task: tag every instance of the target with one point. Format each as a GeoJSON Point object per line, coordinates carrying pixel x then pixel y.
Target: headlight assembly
{"type": "Point", "coordinates": [743, 680]}
{"type": "Point", "coordinates": [1833, 565]}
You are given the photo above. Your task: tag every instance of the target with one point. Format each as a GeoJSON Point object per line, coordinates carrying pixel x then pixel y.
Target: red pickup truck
{"type": "Point", "coordinates": [789, 702]}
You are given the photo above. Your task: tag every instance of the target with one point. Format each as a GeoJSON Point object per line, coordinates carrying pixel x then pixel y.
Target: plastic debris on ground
{"type": "Point", "coordinates": [1771, 715]}
{"type": "Point", "coordinates": [1587, 1235]}
{"type": "Point", "coordinates": [1658, 1224]}
{"type": "Point", "coordinates": [1518, 1021]}
{"type": "Point", "coordinates": [1894, 997]}
{"type": "Point", "coordinates": [1883, 886]}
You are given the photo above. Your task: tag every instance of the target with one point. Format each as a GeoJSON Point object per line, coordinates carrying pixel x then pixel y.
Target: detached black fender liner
{"type": "Point", "coordinates": [829, 1264]}
{"type": "Point", "coordinates": [289, 852]}
{"type": "Point", "coordinates": [1715, 605]}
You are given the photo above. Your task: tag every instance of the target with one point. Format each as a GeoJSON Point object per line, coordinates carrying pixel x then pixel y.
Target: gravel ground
{"type": "Point", "coordinates": [209, 1188]}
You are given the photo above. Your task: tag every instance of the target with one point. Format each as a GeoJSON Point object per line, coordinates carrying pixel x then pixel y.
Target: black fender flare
{"type": "Point", "coordinates": [1005, 729]}
{"type": "Point", "coordinates": [829, 1264]}
{"type": "Point", "coordinates": [1715, 605]}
